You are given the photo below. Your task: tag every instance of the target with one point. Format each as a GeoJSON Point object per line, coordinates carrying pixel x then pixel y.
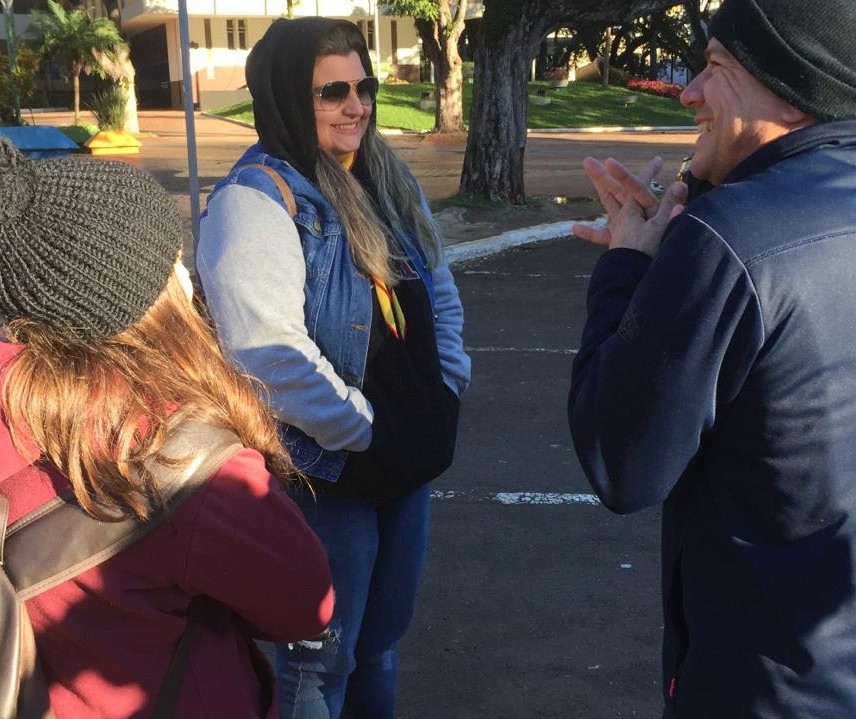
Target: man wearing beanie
{"type": "Point", "coordinates": [717, 369]}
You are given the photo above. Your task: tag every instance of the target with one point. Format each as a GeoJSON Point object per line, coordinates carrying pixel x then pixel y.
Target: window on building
{"type": "Point", "coordinates": [367, 28]}
{"type": "Point", "coordinates": [236, 34]}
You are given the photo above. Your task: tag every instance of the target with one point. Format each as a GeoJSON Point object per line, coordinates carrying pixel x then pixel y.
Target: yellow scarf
{"type": "Point", "coordinates": [393, 315]}
{"type": "Point", "coordinates": [390, 308]}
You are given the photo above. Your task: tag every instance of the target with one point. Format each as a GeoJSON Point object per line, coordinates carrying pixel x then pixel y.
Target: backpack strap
{"type": "Point", "coordinates": [68, 541]}
{"type": "Point", "coordinates": [173, 681]}
{"type": "Point", "coordinates": [23, 689]}
{"type": "Point", "coordinates": [4, 518]}
{"type": "Point", "coordinates": [282, 186]}
{"type": "Point", "coordinates": [59, 540]}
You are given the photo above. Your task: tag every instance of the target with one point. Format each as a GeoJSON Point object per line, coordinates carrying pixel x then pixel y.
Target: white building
{"type": "Point", "coordinates": [221, 35]}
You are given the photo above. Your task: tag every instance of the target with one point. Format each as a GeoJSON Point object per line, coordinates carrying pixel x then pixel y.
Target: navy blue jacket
{"type": "Point", "coordinates": [720, 377]}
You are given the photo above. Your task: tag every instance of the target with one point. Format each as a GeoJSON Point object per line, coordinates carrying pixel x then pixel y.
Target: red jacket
{"type": "Point", "coordinates": [105, 638]}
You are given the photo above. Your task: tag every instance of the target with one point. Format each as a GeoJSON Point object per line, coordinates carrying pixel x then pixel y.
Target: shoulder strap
{"type": "Point", "coordinates": [59, 540]}
{"type": "Point", "coordinates": [173, 681]}
{"type": "Point", "coordinates": [4, 518]}
{"type": "Point", "coordinates": [282, 186]}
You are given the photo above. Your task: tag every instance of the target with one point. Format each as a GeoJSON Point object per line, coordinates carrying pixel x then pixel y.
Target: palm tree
{"type": "Point", "coordinates": [73, 39]}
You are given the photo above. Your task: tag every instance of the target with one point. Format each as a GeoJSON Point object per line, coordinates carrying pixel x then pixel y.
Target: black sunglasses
{"type": "Point", "coordinates": [333, 94]}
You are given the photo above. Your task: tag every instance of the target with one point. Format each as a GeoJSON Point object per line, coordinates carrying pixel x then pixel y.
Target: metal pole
{"type": "Point", "coordinates": [190, 127]}
{"type": "Point", "coordinates": [10, 47]}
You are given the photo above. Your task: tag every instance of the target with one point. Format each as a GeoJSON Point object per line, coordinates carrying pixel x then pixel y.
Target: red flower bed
{"type": "Point", "coordinates": [655, 87]}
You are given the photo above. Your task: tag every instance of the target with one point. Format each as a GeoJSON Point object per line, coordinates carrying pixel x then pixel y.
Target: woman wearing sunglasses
{"type": "Point", "coordinates": [340, 302]}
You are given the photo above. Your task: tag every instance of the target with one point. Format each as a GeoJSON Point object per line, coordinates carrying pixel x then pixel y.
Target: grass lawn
{"type": "Point", "coordinates": [580, 104]}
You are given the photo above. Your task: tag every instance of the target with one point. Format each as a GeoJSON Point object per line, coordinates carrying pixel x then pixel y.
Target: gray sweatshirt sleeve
{"type": "Point", "coordinates": [251, 266]}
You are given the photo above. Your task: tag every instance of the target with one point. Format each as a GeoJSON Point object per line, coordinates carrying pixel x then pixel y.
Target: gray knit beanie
{"type": "Point", "coordinates": [804, 52]}
{"type": "Point", "coordinates": [86, 245]}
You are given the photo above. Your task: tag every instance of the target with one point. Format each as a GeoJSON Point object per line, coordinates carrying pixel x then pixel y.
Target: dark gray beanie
{"type": "Point", "coordinates": [804, 52]}
{"type": "Point", "coordinates": [86, 245]}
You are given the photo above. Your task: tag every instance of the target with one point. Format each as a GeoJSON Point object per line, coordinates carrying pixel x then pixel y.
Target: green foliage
{"type": "Point", "coordinates": [421, 9]}
{"type": "Point", "coordinates": [588, 104]}
{"type": "Point", "coordinates": [241, 111]}
{"type": "Point", "coordinates": [499, 15]}
{"type": "Point", "coordinates": [109, 107]}
{"type": "Point", "coordinates": [22, 79]}
{"type": "Point", "coordinates": [398, 106]}
{"type": "Point", "coordinates": [79, 133]}
{"type": "Point", "coordinates": [580, 104]}
{"type": "Point", "coordinates": [71, 38]}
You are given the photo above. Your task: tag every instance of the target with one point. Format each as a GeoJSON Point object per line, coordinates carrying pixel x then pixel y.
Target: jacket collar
{"type": "Point", "coordinates": [838, 133]}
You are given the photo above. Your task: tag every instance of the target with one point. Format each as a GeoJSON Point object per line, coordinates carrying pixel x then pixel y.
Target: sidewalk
{"type": "Point", "coordinates": [555, 185]}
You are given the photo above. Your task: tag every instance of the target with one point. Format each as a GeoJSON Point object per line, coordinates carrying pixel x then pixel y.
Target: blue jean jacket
{"type": "Point", "coordinates": [338, 300]}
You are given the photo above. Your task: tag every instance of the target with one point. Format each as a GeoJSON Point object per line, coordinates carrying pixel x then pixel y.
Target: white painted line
{"type": "Point", "coordinates": [552, 498]}
{"type": "Point", "coordinates": [503, 274]}
{"type": "Point", "coordinates": [545, 498]}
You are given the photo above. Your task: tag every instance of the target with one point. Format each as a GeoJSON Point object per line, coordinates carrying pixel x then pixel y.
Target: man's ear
{"type": "Point", "coordinates": [795, 117]}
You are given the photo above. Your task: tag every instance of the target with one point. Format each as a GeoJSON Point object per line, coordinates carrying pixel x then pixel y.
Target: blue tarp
{"type": "Point", "coordinates": [40, 142]}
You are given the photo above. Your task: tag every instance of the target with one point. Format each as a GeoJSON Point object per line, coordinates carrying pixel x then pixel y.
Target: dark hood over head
{"type": "Point", "coordinates": [279, 76]}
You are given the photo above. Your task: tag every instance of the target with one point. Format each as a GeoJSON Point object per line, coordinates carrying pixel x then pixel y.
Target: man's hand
{"type": "Point", "coordinates": [636, 217]}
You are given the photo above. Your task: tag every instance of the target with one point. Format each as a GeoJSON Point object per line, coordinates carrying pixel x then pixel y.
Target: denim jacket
{"type": "Point", "coordinates": [336, 312]}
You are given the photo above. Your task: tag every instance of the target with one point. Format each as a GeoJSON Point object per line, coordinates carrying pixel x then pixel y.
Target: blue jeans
{"type": "Point", "coordinates": [377, 553]}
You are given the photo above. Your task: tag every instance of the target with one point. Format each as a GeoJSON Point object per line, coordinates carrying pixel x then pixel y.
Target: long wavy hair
{"type": "Point", "coordinates": [373, 246]}
{"type": "Point", "coordinates": [98, 411]}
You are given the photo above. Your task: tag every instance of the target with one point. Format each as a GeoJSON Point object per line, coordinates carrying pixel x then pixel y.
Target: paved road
{"type": "Point", "coordinates": [530, 609]}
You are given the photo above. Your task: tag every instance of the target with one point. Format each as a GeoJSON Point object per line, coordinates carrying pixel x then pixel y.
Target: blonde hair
{"type": "Point", "coordinates": [98, 411]}
{"type": "Point", "coordinates": [373, 246]}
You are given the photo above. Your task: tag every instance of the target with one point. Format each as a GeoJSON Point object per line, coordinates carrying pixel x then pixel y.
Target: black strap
{"type": "Point", "coordinates": [167, 701]}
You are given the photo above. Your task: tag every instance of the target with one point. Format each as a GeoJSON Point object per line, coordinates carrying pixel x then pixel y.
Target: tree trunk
{"type": "Point", "coordinates": [132, 117]}
{"type": "Point", "coordinates": [440, 43]}
{"type": "Point", "coordinates": [508, 38]}
{"type": "Point", "coordinates": [449, 80]}
{"type": "Point", "coordinates": [121, 70]}
{"type": "Point", "coordinates": [607, 45]}
{"type": "Point", "coordinates": [75, 86]}
{"type": "Point", "coordinates": [493, 162]}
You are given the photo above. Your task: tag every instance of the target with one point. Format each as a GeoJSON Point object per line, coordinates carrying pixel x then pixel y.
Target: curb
{"type": "Point", "coordinates": [477, 249]}
{"type": "Point", "coordinates": [606, 129]}
{"type": "Point", "coordinates": [226, 119]}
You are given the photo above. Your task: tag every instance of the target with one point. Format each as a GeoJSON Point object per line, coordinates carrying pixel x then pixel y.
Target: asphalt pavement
{"type": "Point", "coordinates": [536, 601]}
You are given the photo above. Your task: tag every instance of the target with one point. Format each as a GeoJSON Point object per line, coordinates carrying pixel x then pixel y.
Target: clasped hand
{"type": "Point", "coordinates": [636, 217]}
